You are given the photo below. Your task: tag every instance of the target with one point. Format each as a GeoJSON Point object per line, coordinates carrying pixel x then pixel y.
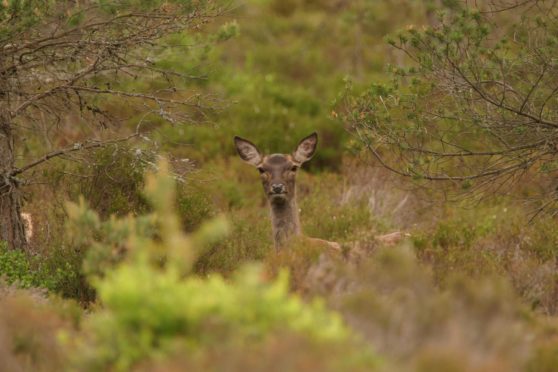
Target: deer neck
{"type": "Point", "coordinates": [285, 222]}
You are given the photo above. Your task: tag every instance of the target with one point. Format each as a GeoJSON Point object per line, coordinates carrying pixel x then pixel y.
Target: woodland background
{"type": "Point", "coordinates": [151, 241]}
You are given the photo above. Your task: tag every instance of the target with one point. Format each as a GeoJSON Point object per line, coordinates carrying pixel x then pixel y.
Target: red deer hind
{"type": "Point", "coordinates": [278, 174]}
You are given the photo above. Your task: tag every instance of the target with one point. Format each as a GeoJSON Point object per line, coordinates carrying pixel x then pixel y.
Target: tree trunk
{"type": "Point", "coordinates": [12, 229]}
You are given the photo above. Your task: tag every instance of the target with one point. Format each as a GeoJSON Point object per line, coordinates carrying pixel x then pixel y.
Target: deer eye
{"type": "Point", "coordinates": [294, 168]}
{"type": "Point", "coordinates": [261, 170]}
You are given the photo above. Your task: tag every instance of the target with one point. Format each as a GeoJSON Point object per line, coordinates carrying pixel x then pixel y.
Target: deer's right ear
{"type": "Point", "coordinates": [306, 148]}
{"type": "Point", "coordinates": [248, 151]}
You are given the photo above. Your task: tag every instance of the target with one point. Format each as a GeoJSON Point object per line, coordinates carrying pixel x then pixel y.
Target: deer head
{"type": "Point", "coordinates": [278, 171]}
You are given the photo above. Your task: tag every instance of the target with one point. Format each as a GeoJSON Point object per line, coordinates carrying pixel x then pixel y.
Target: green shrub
{"type": "Point", "coordinates": [249, 240]}
{"type": "Point", "coordinates": [113, 180]}
{"type": "Point", "coordinates": [64, 265]}
{"type": "Point", "coordinates": [21, 270]}
{"type": "Point", "coordinates": [15, 268]}
{"type": "Point", "coordinates": [338, 221]}
{"type": "Point", "coordinates": [193, 207]}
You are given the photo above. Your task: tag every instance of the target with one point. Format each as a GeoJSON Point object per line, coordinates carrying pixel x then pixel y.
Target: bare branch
{"type": "Point", "coordinates": [87, 145]}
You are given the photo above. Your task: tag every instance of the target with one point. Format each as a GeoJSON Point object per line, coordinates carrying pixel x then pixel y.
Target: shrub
{"type": "Point", "coordinates": [113, 180]}
{"type": "Point", "coordinates": [545, 358]}
{"type": "Point", "coordinates": [338, 220]}
{"type": "Point", "coordinates": [30, 327]}
{"type": "Point", "coordinates": [495, 240]}
{"type": "Point", "coordinates": [64, 265]}
{"type": "Point", "coordinates": [193, 207]}
{"type": "Point", "coordinates": [472, 324]}
{"type": "Point", "coordinates": [299, 257]}
{"type": "Point", "coordinates": [249, 240]}
{"type": "Point", "coordinates": [15, 268]}
{"type": "Point", "coordinates": [21, 270]}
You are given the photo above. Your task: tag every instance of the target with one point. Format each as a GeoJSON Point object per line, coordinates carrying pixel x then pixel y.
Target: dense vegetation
{"type": "Point", "coordinates": [155, 253]}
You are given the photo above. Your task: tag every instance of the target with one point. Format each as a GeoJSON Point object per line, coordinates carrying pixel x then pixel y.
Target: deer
{"type": "Point", "coordinates": [278, 176]}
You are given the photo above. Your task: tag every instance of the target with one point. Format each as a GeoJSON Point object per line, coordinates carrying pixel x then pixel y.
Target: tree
{"type": "Point", "coordinates": [479, 105]}
{"type": "Point", "coordinates": [60, 60]}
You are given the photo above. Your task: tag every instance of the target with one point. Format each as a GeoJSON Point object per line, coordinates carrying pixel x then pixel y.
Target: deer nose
{"type": "Point", "coordinates": [277, 188]}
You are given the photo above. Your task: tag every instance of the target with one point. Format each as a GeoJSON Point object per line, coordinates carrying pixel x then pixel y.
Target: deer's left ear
{"type": "Point", "coordinates": [248, 151]}
{"type": "Point", "coordinates": [306, 148]}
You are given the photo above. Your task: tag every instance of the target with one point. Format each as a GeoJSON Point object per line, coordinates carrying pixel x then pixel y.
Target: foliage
{"type": "Point", "coordinates": [545, 358]}
{"type": "Point", "coordinates": [495, 241]}
{"type": "Point", "coordinates": [472, 324]}
{"type": "Point", "coordinates": [65, 62]}
{"type": "Point", "coordinates": [193, 206]}
{"type": "Point", "coordinates": [63, 267]}
{"type": "Point", "coordinates": [15, 268]}
{"type": "Point", "coordinates": [24, 271]}
{"type": "Point", "coordinates": [340, 220]}
{"type": "Point", "coordinates": [249, 240]}
{"type": "Point", "coordinates": [477, 104]}
{"type": "Point", "coordinates": [112, 179]}
{"type": "Point", "coordinates": [105, 242]}
{"type": "Point", "coordinates": [31, 326]}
